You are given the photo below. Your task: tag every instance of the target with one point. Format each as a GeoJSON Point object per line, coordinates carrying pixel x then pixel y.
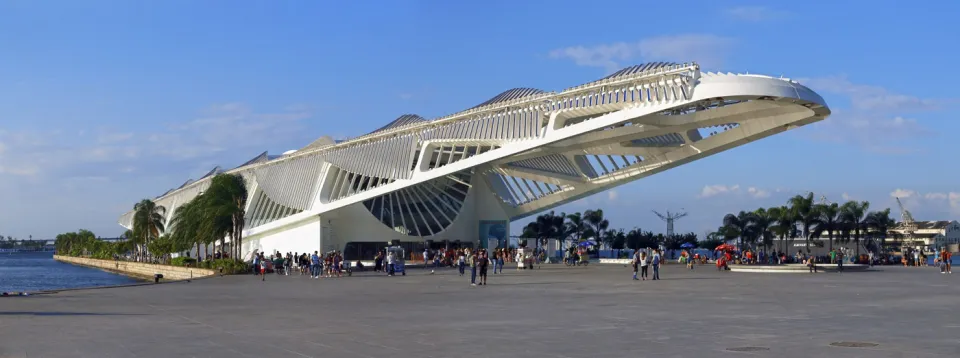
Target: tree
{"type": "Point", "coordinates": [829, 220]}
{"type": "Point", "coordinates": [784, 224]}
{"type": "Point", "coordinates": [805, 214]}
{"type": "Point", "coordinates": [597, 223]}
{"type": "Point", "coordinates": [737, 226]}
{"type": "Point", "coordinates": [546, 226]}
{"type": "Point", "coordinates": [576, 227]}
{"type": "Point", "coordinates": [226, 202]}
{"type": "Point", "coordinates": [148, 221]}
{"type": "Point", "coordinates": [189, 225]}
{"type": "Point", "coordinates": [855, 214]}
{"type": "Point", "coordinates": [760, 227]}
{"type": "Point", "coordinates": [619, 241]}
{"type": "Point", "coordinates": [880, 222]}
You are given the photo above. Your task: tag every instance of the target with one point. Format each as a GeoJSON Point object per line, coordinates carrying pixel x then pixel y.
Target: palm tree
{"type": "Point", "coordinates": [783, 224]}
{"type": "Point", "coordinates": [546, 226]}
{"type": "Point", "coordinates": [597, 223]}
{"type": "Point", "coordinates": [189, 224]}
{"type": "Point", "coordinates": [737, 226]}
{"type": "Point", "coordinates": [805, 213]}
{"type": "Point", "coordinates": [829, 219]}
{"type": "Point", "coordinates": [881, 222]}
{"type": "Point", "coordinates": [855, 213]}
{"type": "Point", "coordinates": [226, 202]}
{"type": "Point", "coordinates": [148, 221]}
{"type": "Point", "coordinates": [576, 226]}
{"type": "Point", "coordinates": [760, 227]}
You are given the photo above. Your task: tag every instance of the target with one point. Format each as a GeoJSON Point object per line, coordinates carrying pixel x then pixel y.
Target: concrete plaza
{"type": "Point", "coordinates": [553, 312]}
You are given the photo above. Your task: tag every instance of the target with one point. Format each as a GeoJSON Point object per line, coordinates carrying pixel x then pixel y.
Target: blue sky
{"type": "Point", "coordinates": [103, 103]}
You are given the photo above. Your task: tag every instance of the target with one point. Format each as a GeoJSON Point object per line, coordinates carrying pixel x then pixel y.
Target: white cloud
{"type": "Point", "coordinates": [706, 49]}
{"type": "Point", "coordinates": [871, 97]}
{"type": "Point", "coordinates": [932, 201]}
{"type": "Point", "coordinates": [754, 13]}
{"type": "Point", "coordinates": [758, 193]}
{"type": "Point", "coordinates": [714, 190]}
{"type": "Point", "coordinates": [406, 96]}
{"type": "Point", "coordinates": [877, 119]}
{"type": "Point", "coordinates": [228, 126]}
{"type": "Point", "coordinates": [846, 197]}
{"type": "Point", "coordinates": [903, 193]}
{"type": "Point", "coordinates": [612, 194]}
{"type": "Point", "coordinates": [736, 190]}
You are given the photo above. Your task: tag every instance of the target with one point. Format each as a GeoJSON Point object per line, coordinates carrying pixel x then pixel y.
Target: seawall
{"type": "Point", "coordinates": [138, 269]}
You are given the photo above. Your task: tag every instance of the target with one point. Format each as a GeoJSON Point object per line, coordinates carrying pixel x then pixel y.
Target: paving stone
{"type": "Point", "coordinates": [557, 311]}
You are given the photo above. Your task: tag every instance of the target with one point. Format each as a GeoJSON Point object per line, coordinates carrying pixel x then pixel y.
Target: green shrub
{"type": "Point", "coordinates": [230, 266]}
{"type": "Point", "coordinates": [183, 261]}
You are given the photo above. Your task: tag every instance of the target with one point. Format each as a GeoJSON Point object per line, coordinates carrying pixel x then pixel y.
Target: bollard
{"type": "Point", "coordinates": [157, 277]}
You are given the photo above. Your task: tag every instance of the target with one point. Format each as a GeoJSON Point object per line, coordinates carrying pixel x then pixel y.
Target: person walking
{"type": "Point", "coordinates": [636, 264]}
{"type": "Point", "coordinates": [256, 264]}
{"type": "Point", "coordinates": [501, 260]}
{"type": "Point", "coordinates": [461, 261]}
{"type": "Point", "coordinates": [948, 260]}
{"type": "Point", "coordinates": [484, 261]}
{"type": "Point", "coordinates": [263, 268]}
{"type": "Point", "coordinates": [472, 261]}
{"type": "Point", "coordinates": [315, 265]}
{"type": "Point", "coordinates": [644, 265]}
{"type": "Point", "coordinates": [391, 263]}
{"type": "Point", "coordinates": [657, 260]}
{"type": "Point", "coordinates": [839, 258]}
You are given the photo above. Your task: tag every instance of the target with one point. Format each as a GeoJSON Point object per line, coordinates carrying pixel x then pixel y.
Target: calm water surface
{"type": "Point", "coordinates": [34, 271]}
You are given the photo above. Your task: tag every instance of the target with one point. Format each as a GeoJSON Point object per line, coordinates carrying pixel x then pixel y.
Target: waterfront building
{"type": "Point", "coordinates": [927, 234]}
{"type": "Point", "coordinates": [464, 177]}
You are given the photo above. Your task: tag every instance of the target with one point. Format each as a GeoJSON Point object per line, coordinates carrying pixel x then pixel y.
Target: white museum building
{"type": "Point", "coordinates": [465, 177]}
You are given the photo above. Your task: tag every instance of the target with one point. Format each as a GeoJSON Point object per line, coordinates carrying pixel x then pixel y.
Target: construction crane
{"type": "Point", "coordinates": [906, 221]}
{"type": "Point", "coordinates": [670, 218]}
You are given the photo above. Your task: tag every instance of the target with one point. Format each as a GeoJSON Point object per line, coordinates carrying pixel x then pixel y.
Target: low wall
{"type": "Point", "coordinates": [138, 269]}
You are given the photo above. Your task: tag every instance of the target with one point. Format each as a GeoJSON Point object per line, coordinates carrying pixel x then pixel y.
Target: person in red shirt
{"type": "Point", "coordinates": [947, 258]}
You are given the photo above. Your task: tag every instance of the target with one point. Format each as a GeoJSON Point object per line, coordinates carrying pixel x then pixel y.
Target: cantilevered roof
{"type": "Point", "coordinates": [510, 95]}
{"type": "Point", "coordinates": [639, 68]}
{"type": "Point", "coordinates": [401, 121]}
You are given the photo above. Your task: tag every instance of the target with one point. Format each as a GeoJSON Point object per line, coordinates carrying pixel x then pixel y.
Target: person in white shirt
{"type": "Point", "coordinates": [391, 260]}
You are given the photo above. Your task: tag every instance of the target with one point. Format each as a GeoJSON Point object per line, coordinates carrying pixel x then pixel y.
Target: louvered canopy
{"type": "Point", "coordinates": [511, 94]}
{"type": "Point", "coordinates": [404, 120]}
{"type": "Point", "coordinates": [639, 68]}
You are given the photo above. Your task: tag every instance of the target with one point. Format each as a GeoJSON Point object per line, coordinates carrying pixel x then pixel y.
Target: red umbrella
{"type": "Point", "coordinates": [725, 247]}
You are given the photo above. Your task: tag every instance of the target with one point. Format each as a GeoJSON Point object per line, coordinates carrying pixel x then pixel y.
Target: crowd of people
{"type": "Point", "coordinates": [316, 265]}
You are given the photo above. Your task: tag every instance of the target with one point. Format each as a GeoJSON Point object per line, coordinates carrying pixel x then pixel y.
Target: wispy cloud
{"type": "Point", "coordinates": [754, 13]}
{"type": "Point", "coordinates": [935, 201]}
{"type": "Point", "coordinates": [228, 126]}
{"type": "Point", "coordinates": [878, 120]}
{"type": "Point", "coordinates": [707, 49]}
{"type": "Point", "coordinates": [758, 193]}
{"type": "Point", "coordinates": [872, 97]}
{"type": "Point", "coordinates": [709, 191]}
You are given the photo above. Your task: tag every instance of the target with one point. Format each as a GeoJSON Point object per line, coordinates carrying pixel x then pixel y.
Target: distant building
{"type": "Point", "coordinates": [928, 233]}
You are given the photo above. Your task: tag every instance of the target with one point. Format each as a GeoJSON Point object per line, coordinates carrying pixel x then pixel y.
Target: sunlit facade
{"type": "Point", "coordinates": [466, 176]}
